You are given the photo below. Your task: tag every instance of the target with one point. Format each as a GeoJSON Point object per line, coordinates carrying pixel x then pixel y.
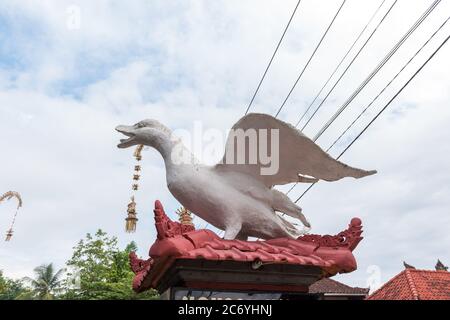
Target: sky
{"type": "Point", "coordinates": [70, 71]}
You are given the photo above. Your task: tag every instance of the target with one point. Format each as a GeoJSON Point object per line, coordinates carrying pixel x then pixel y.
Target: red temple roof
{"type": "Point", "coordinates": [412, 284]}
{"type": "Point", "coordinates": [331, 286]}
{"type": "Point", "coordinates": [177, 241]}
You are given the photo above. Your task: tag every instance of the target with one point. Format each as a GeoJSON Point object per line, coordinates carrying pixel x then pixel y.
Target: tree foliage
{"type": "Point", "coordinates": [100, 270]}
{"type": "Point", "coordinates": [47, 283]}
{"type": "Point", "coordinates": [13, 289]}
{"type": "Point", "coordinates": [97, 270]}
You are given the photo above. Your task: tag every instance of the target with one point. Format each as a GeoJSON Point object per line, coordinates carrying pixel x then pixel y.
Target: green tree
{"type": "Point", "coordinates": [3, 280]}
{"type": "Point", "coordinates": [100, 270]}
{"type": "Point", "coordinates": [47, 282]}
{"type": "Point", "coordinates": [11, 289]}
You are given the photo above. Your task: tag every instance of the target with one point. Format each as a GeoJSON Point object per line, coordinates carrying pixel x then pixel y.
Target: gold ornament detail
{"type": "Point", "coordinates": [137, 152]}
{"type": "Point", "coordinates": [185, 216]}
{"type": "Point", "coordinates": [131, 218]}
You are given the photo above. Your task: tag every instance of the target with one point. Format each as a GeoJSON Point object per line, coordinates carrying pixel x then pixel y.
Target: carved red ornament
{"type": "Point", "coordinates": [167, 228]}
{"type": "Point", "coordinates": [348, 238]}
{"type": "Point", "coordinates": [177, 241]}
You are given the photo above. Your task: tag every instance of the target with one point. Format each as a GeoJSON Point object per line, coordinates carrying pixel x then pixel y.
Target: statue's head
{"type": "Point", "coordinates": [148, 132]}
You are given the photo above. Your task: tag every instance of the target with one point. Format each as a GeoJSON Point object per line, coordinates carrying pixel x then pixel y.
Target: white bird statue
{"type": "Point", "coordinates": [238, 196]}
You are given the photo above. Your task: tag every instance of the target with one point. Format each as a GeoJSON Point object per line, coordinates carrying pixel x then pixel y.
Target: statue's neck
{"type": "Point", "coordinates": [174, 152]}
{"type": "Point", "coordinates": [165, 147]}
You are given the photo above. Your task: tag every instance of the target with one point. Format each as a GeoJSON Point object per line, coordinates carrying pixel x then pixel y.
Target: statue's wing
{"type": "Point", "coordinates": [292, 155]}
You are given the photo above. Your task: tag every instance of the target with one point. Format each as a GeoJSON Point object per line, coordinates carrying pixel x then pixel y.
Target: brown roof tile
{"type": "Point", "coordinates": [334, 287]}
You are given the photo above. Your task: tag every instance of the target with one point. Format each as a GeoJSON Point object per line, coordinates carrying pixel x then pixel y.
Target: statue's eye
{"type": "Point", "coordinates": [140, 125]}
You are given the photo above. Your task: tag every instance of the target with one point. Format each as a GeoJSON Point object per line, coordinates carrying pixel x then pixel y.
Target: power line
{"type": "Point", "coordinates": [340, 63]}
{"type": "Point", "coordinates": [387, 85]}
{"type": "Point", "coordinates": [310, 58]}
{"type": "Point", "coordinates": [378, 68]}
{"type": "Point", "coordinates": [346, 69]}
{"type": "Point", "coordinates": [273, 56]}
{"type": "Point", "coordinates": [304, 68]}
{"type": "Point", "coordinates": [383, 109]}
{"type": "Point", "coordinates": [340, 77]}
{"type": "Point", "coordinates": [379, 94]}
{"type": "Point", "coordinates": [269, 64]}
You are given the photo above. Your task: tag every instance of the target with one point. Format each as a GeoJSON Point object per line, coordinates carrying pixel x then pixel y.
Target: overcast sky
{"type": "Point", "coordinates": [66, 81]}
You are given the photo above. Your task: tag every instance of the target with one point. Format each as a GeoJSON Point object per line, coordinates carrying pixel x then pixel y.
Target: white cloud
{"type": "Point", "coordinates": [179, 62]}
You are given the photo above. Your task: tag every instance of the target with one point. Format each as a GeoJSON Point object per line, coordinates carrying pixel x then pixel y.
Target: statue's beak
{"type": "Point", "coordinates": [129, 132]}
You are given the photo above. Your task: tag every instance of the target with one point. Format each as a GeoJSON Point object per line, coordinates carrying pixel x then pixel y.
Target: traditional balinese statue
{"type": "Point", "coordinates": [237, 195]}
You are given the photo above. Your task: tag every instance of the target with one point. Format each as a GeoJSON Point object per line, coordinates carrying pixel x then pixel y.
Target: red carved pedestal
{"type": "Point", "coordinates": [199, 259]}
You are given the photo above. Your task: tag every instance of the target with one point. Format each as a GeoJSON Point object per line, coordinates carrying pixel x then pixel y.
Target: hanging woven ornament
{"type": "Point", "coordinates": [131, 218]}
{"type": "Point", "coordinates": [8, 195]}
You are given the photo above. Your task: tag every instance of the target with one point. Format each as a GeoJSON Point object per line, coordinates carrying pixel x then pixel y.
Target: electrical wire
{"type": "Point", "coordinates": [268, 65]}
{"type": "Point", "coordinates": [378, 68]}
{"type": "Point", "coordinates": [387, 85]}
{"type": "Point", "coordinates": [310, 58]}
{"type": "Point", "coordinates": [348, 66]}
{"type": "Point", "coordinates": [383, 109]}
{"type": "Point", "coordinates": [379, 94]}
{"type": "Point", "coordinates": [273, 56]}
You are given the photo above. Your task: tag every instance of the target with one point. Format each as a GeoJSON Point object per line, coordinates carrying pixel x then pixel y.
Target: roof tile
{"type": "Point", "coordinates": [331, 286]}
{"type": "Point", "coordinates": [412, 284]}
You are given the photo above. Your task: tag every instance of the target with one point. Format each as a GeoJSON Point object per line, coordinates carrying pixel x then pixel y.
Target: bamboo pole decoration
{"type": "Point", "coordinates": [131, 218]}
{"type": "Point", "coordinates": [10, 231]}
{"type": "Point", "coordinates": [6, 196]}
{"type": "Point", "coordinates": [9, 234]}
